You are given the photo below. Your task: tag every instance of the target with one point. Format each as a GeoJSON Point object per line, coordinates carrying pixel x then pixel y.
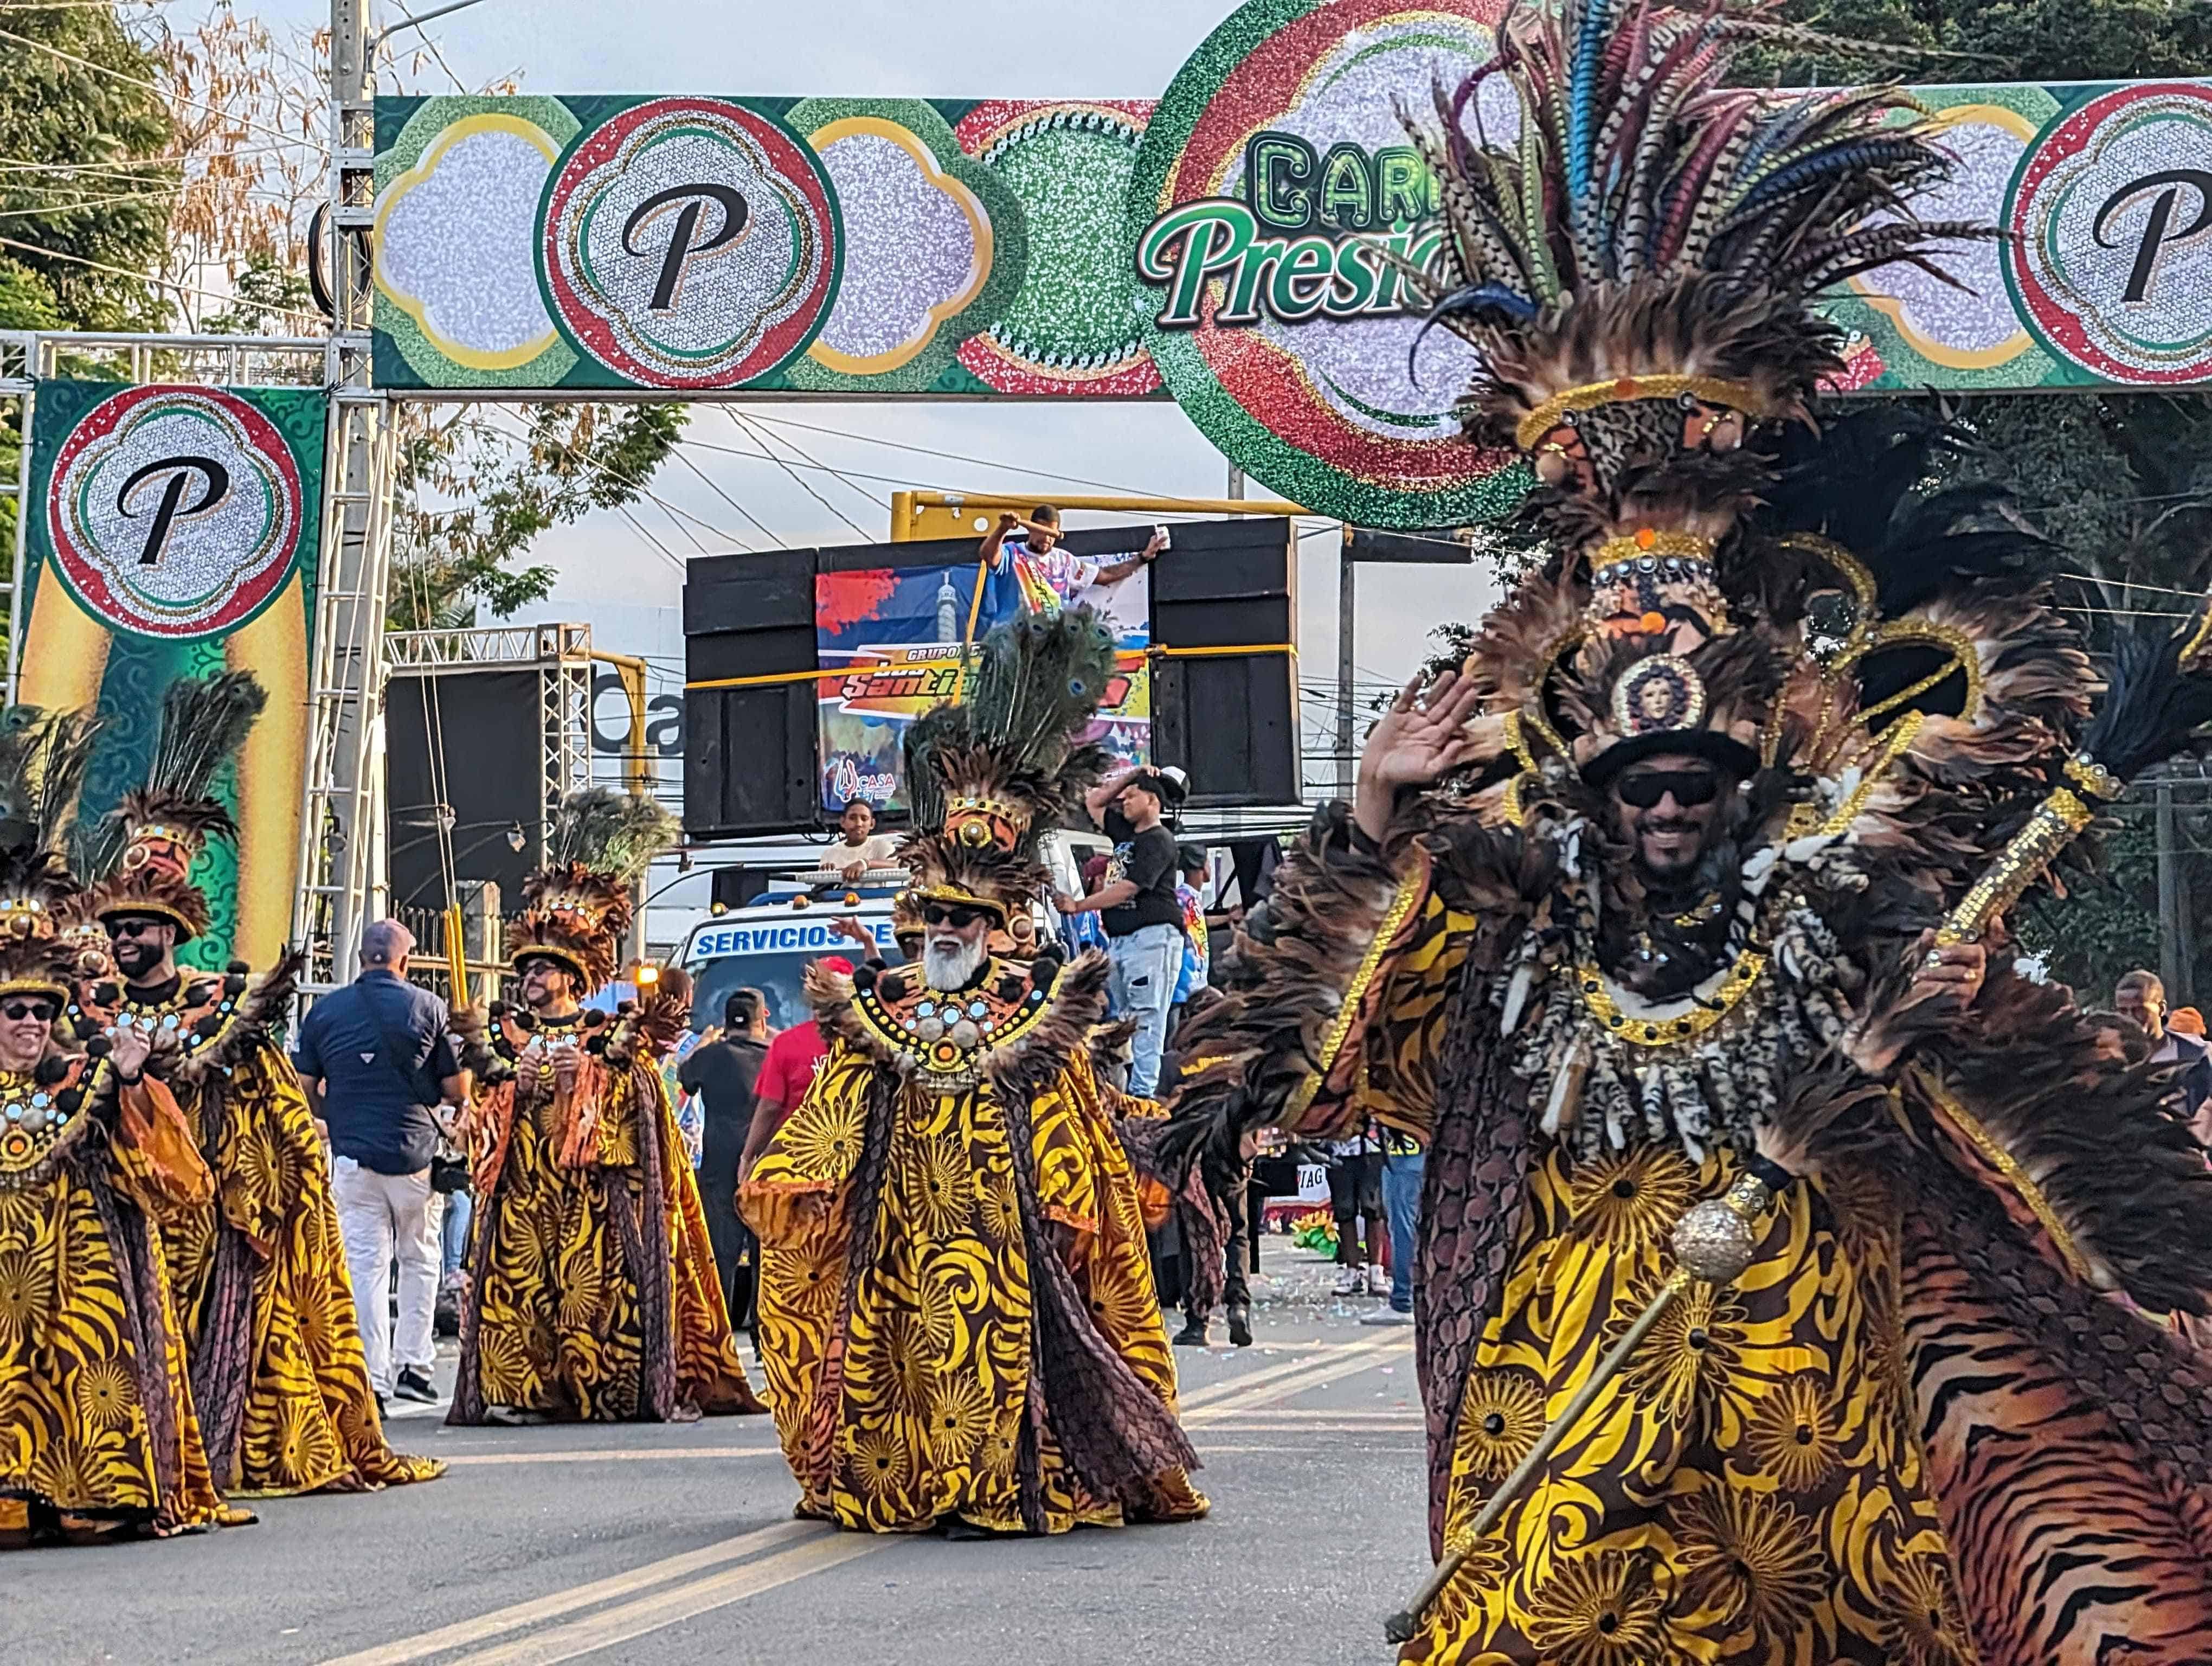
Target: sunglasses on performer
{"type": "Point", "coordinates": [1643, 789]}
{"type": "Point", "coordinates": [951, 913]}
{"type": "Point", "coordinates": [16, 1010]}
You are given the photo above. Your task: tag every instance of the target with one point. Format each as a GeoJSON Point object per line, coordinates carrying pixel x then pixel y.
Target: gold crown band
{"type": "Point", "coordinates": [1621, 390]}
{"type": "Point", "coordinates": [969, 804]}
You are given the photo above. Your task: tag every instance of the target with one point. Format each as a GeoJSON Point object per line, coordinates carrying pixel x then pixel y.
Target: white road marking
{"type": "Point", "coordinates": [499, 1621]}
{"type": "Point", "coordinates": [631, 1621]}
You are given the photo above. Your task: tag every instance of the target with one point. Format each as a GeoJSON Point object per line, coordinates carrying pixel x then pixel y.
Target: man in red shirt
{"type": "Point", "coordinates": [792, 1058]}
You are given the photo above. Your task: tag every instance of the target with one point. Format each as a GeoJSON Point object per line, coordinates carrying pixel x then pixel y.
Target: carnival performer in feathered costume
{"type": "Point", "coordinates": [592, 1294]}
{"type": "Point", "coordinates": [98, 1437]}
{"type": "Point", "coordinates": [1685, 888]}
{"type": "Point", "coordinates": [279, 1379]}
{"type": "Point", "coordinates": [957, 1316]}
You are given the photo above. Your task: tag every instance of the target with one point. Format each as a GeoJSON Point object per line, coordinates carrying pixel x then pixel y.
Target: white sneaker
{"type": "Point", "coordinates": [1379, 1281]}
{"type": "Point", "coordinates": [1352, 1282]}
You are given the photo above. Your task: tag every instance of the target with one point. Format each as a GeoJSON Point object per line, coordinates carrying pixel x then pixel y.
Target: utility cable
{"type": "Point", "coordinates": [788, 470]}
{"type": "Point", "coordinates": [233, 299]}
{"type": "Point", "coordinates": [793, 447]}
{"type": "Point", "coordinates": [157, 88]}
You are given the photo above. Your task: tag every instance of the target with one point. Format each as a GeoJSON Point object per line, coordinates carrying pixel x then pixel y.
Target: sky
{"type": "Point", "coordinates": [886, 48]}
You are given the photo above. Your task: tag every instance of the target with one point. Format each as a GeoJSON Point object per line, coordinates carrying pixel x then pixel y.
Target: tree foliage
{"type": "Point", "coordinates": [474, 494]}
{"type": "Point", "coordinates": [91, 173]}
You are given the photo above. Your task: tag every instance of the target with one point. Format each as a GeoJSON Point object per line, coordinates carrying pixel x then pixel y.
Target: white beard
{"type": "Point", "coordinates": [948, 966]}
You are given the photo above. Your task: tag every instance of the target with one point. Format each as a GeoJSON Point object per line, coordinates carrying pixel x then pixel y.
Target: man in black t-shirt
{"type": "Point", "coordinates": [723, 1074]}
{"type": "Point", "coordinates": [1138, 907]}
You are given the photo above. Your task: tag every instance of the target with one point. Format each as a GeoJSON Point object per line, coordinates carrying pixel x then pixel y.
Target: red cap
{"type": "Point", "coordinates": [837, 964]}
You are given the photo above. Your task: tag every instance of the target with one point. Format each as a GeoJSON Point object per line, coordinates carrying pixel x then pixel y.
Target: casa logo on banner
{"type": "Point", "coordinates": [689, 242]}
{"type": "Point", "coordinates": [1273, 186]}
{"type": "Point", "coordinates": [175, 511]}
{"type": "Point", "coordinates": [2110, 252]}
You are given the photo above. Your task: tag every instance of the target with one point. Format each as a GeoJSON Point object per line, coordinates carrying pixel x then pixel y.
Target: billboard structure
{"type": "Point", "coordinates": [1219, 246]}
{"type": "Point", "coordinates": [897, 633]}
{"type": "Point", "coordinates": [174, 531]}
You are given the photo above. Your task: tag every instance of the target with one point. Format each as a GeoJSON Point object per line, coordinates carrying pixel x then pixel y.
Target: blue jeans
{"type": "Point", "coordinates": [1145, 965]}
{"type": "Point", "coordinates": [1402, 1203]}
{"type": "Point", "coordinates": [454, 1231]}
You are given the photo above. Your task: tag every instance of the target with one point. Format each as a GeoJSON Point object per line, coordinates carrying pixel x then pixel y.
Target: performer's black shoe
{"type": "Point", "coordinates": [1240, 1326]}
{"type": "Point", "coordinates": [961, 1530]}
{"type": "Point", "coordinates": [413, 1384]}
{"type": "Point", "coordinates": [1192, 1335]}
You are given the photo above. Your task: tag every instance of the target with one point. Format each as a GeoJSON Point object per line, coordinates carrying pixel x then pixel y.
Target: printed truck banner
{"type": "Point", "coordinates": [173, 531]}
{"type": "Point", "coordinates": [895, 635]}
{"type": "Point", "coordinates": [1217, 245]}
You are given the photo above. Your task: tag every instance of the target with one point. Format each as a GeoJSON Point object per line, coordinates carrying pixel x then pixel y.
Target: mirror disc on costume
{"type": "Point", "coordinates": [689, 242]}
{"type": "Point", "coordinates": [175, 511]}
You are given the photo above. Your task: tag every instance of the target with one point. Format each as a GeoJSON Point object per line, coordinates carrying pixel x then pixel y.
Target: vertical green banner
{"type": "Point", "coordinates": [174, 532]}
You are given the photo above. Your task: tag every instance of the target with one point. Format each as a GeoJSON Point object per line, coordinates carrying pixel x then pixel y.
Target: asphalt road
{"type": "Point", "coordinates": [647, 1544]}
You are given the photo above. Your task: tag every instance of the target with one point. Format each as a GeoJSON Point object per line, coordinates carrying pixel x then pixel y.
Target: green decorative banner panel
{"type": "Point", "coordinates": [1217, 245]}
{"type": "Point", "coordinates": [174, 533]}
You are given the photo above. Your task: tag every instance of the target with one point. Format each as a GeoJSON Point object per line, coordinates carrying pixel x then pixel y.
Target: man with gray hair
{"type": "Point", "coordinates": [376, 1060]}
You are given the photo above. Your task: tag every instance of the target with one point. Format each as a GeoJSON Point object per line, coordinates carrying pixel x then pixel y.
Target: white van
{"type": "Point", "coordinates": [768, 945]}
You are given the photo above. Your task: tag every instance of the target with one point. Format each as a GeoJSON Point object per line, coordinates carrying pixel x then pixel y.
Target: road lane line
{"type": "Point", "coordinates": [610, 1626]}
{"type": "Point", "coordinates": [499, 1621]}
{"type": "Point", "coordinates": [1315, 1375]}
{"type": "Point", "coordinates": [1308, 1360]}
{"type": "Point", "coordinates": [623, 1455]}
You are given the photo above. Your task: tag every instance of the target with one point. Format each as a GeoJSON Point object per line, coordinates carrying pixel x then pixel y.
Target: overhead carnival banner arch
{"type": "Point", "coordinates": [1217, 245]}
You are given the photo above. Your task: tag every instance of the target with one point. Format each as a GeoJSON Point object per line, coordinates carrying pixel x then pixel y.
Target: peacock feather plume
{"type": "Point", "coordinates": [608, 832]}
{"type": "Point", "coordinates": [988, 774]}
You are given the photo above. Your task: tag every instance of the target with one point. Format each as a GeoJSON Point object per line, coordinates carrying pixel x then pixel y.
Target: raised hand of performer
{"type": "Point", "coordinates": [1423, 735]}
{"type": "Point", "coordinates": [129, 1049]}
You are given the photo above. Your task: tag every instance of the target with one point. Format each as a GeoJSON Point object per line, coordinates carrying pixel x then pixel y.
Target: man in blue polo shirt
{"type": "Point", "coordinates": [375, 1059]}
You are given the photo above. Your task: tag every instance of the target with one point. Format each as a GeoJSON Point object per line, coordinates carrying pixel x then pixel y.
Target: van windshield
{"type": "Point", "coordinates": [777, 977]}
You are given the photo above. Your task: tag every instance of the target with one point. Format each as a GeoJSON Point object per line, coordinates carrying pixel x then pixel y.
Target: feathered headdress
{"type": "Point", "coordinates": [141, 854]}
{"type": "Point", "coordinates": [1637, 266]}
{"type": "Point", "coordinates": [43, 756]}
{"type": "Point", "coordinates": [989, 774]}
{"type": "Point", "coordinates": [576, 909]}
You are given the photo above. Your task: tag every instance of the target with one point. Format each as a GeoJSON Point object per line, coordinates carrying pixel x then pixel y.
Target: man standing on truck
{"type": "Point", "coordinates": [1049, 576]}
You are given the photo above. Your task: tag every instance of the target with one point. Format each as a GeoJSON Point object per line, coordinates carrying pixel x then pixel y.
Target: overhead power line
{"type": "Point", "coordinates": [157, 88]}
{"type": "Point", "coordinates": [150, 278]}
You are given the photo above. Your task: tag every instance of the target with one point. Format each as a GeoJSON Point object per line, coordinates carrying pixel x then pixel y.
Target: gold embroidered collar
{"type": "Point", "coordinates": [947, 1034]}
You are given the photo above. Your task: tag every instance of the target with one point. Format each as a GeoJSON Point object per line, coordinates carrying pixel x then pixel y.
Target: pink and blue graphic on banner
{"type": "Point", "coordinates": [897, 632]}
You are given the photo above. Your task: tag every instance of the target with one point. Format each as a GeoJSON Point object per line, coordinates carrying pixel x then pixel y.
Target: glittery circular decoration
{"type": "Point", "coordinates": [934, 247]}
{"type": "Point", "coordinates": [2109, 255]}
{"type": "Point", "coordinates": [1294, 351]}
{"type": "Point", "coordinates": [175, 512]}
{"type": "Point", "coordinates": [1662, 693]}
{"type": "Point", "coordinates": [1714, 1243]}
{"type": "Point", "coordinates": [691, 242]}
{"type": "Point", "coordinates": [1069, 330]}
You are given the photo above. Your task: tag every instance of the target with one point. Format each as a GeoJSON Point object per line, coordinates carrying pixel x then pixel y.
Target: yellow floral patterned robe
{"type": "Point", "coordinates": [904, 1374]}
{"type": "Point", "coordinates": [97, 1431]}
{"type": "Point", "coordinates": [594, 1294]}
{"type": "Point", "coordinates": [279, 1377]}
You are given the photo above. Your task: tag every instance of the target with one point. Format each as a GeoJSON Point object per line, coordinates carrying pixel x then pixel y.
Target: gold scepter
{"type": "Point", "coordinates": [1713, 1243]}
{"type": "Point", "coordinates": [2157, 700]}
